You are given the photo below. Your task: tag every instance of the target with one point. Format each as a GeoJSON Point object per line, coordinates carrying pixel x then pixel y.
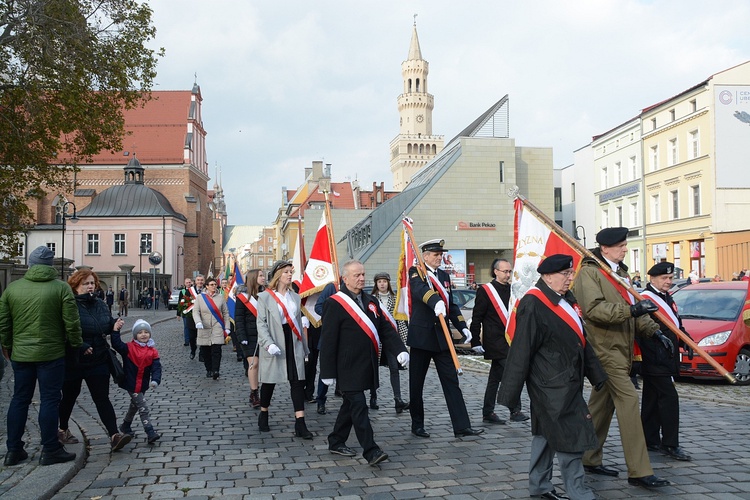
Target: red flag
{"type": "Point", "coordinates": [318, 271]}
{"type": "Point", "coordinates": [405, 261]}
{"type": "Point", "coordinates": [534, 240]}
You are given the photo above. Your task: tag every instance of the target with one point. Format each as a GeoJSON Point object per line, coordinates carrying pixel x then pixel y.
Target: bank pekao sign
{"type": "Point", "coordinates": [475, 226]}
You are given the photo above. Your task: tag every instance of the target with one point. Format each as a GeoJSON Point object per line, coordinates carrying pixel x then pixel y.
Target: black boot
{"type": "Point", "coordinates": [401, 405]}
{"type": "Point", "coordinates": [263, 422]}
{"type": "Point", "coordinates": [300, 429]}
{"type": "Point", "coordinates": [374, 403]}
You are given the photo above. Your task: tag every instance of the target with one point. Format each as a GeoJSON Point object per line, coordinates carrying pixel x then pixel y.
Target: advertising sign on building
{"type": "Point", "coordinates": [732, 105]}
{"type": "Point", "coordinates": [454, 263]}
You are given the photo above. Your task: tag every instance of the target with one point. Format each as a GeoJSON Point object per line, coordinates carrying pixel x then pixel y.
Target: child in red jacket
{"type": "Point", "coordinates": [142, 371]}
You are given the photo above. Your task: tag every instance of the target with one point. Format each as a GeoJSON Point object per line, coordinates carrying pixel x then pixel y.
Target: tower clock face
{"type": "Point", "coordinates": [420, 118]}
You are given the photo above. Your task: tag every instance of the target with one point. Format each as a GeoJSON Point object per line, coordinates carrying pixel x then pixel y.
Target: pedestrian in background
{"type": "Point", "coordinates": [122, 300]}
{"type": "Point", "coordinates": [110, 299]}
{"type": "Point", "coordinates": [38, 317]}
{"type": "Point", "coordinates": [211, 318]}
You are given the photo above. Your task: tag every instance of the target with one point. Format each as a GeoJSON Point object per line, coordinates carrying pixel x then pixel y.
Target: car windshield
{"type": "Point", "coordinates": [704, 303]}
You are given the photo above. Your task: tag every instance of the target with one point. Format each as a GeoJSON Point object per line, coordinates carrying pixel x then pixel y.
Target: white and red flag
{"type": "Point", "coordinates": [299, 260]}
{"type": "Point", "coordinates": [533, 240]}
{"type": "Point", "coordinates": [319, 271]}
{"type": "Point", "coordinates": [405, 261]}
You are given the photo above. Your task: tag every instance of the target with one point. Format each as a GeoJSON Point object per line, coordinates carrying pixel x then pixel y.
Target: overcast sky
{"type": "Point", "coordinates": [285, 83]}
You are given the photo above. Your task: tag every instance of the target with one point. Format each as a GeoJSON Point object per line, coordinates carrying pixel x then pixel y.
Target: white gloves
{"type": "Point", "coordinates": [153, 384]}
{"type": "Point", "coordinates": [440, 308]}
{"type": "Point", "coordinates": [244, 342]}
{"type": "Point", "coordinates": [227, 331]}
{"type": "Point", "coordinates": [199, 326]}
{"type": "Point", "coordinates": [305, 322]}
{"type": "Point", "coordinates": [274, 350]}
{"type": "Point", "coordinates": [329, 381]}
{"type": "Point", "coordinates": [467, 332]}
{"type": "Point", "coordinates": [403, 359]}
{"type": "Point", "coordinates": [478, 349]}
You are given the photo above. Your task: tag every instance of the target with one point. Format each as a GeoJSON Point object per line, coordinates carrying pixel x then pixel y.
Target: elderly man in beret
{"type": "Point", "coordinates": [431, 297]}
{"type": "Point", "coordinates": [660, 409]}
{"type": "Point", "coordinates": [550, 353]}
{"type": "Point", "coordinates": [613, 318]}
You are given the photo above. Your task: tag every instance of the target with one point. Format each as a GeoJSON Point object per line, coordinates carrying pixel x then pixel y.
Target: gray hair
{"type": "Point", "coordinates": [348, 264]}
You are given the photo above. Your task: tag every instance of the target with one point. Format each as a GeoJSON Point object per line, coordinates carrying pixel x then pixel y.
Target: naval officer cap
{"type": "Point", "coordinates": [433, 246]}
{"type": "Point", "coordinates": [612, 236]}
{"type": "Point", "coordinates": [661, 268]}
{"type": "Point", "coordinates": [555, 263]}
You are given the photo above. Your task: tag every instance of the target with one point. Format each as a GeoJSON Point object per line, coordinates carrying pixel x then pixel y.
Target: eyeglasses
{"type": "Point", "coordinates": [567, 274]}
{"type": "Point", "coordinates": [504, 271]}
{"type": "Point", "coordinates": [211, 284]}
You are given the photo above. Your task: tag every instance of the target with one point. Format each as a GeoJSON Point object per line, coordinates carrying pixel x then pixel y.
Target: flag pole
{"type": "Point", "coordinates": [423, 274]}
{"type": "Point", "coordinates": [584, 251]}
{"type": "Point", "coordinates": [301, 242]}
{"type": "Point", "coordinates": [332, 243]}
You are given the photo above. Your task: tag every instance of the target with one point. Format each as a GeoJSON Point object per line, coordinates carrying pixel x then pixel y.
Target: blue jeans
{"type": "Point", "coordinates": [186, 330]}
{"type": "Point", "coordinates": [50, 375]}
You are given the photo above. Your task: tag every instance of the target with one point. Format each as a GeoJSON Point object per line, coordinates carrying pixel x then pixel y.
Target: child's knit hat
{"type": "Point", "coordinates": [141, 325]}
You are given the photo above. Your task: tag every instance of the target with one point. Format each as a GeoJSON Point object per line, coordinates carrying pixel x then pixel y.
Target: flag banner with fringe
{"type": "Point", "coordinates": [406, 260]}
{"type": "Point", "coordinates": [318, 271]}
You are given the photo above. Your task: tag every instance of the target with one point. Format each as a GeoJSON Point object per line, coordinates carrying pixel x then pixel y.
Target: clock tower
{"type": "Point", "coordinates": [415, 145]}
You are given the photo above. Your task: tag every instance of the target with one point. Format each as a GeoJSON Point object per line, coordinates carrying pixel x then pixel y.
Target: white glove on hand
{"type": "Point", "coordinates": [274, 350]}
{"type": "Point", "coordinates": [199, 326]}
{"type": "Point", "coordinates": [329, 381]}
{"type": "Point", "coordinates": [403, 359]}
{"type": "Point", "coordinates": [478, 349]}
{"type": "Point", "coordinates": [227, 331]}
{"type": "Point", "coordinates": [440, 308]}
{"type": "Point", "coordinates": [153, 385]}
{"type": "Point", "coordinates": [305, 322]}
{"type": "Point", "coordinates": [467, 332]}
{"type": "Point", "coordinates": [244, 342]}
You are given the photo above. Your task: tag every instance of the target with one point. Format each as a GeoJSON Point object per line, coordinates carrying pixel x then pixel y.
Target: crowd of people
{"type": "Point", "coordinates": [573, 324]}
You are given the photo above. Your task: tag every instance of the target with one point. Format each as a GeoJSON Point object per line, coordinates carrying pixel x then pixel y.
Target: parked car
{"type": "Point", "coordinates": [677, 284]}
{"type": "Point", "coordinates": [462, 296]}
{"type": "Point", "coordinates": [173, 299]}
{"type": "Point", "coordinates": [712, 314]}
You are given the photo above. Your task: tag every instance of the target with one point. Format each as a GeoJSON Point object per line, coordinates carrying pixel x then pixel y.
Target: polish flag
{"type": "Point", "coordinates": [405, 261]}
{"type": "Point", "coordinates": [534, 240]}
{"type": "Point", "coordinates": [318, 271]}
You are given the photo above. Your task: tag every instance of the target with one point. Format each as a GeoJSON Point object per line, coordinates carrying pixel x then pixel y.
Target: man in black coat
{"type": "Point", "coordinates": [490, 318]}
{"type": "Point", "coordinates": [353, 327]}
{"type": "Point", "coordinates": [660, 405]}
{"type": "Point", "coordinates": [431, 297]}
{"type": "Point", "coordinates": [550, 354]}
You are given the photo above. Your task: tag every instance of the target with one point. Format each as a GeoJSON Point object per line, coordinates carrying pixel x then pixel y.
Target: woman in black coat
{"type": "Point", "coordinates": [245, 317]}
{"type": "Point", "coordinates": [92, 363]}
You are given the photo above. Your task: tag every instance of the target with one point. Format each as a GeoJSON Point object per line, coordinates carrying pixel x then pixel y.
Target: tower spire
{"type": "Point", "coordinates": [415, 52]}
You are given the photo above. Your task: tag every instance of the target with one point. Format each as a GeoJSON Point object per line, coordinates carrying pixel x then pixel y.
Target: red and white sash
{"type": "Point", "coordinates": [571, 314]}
{"type": "Point", "coordinates": [497, 302]}
{"type": "Point", "coordinates": [439, 288]}
{"type": "Point", "coordinates": [290, 321]}
{"type": "Point", "coordinates": [250, 302]}
{"type": "Point", "coordinates": [360, 317]}
{"type": "Point", "coordinates": [215, 311]}
{"type": "Point", "coordinates": [192, 293]}
{"type": "Point", "coordinates": [664, 308]}
{"type": "Point", "coordinates": [619, 287]}
{"type": "Point", "coordinates": [387, 315]}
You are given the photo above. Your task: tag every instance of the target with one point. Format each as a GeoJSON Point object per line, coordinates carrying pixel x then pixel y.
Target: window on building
{"type": "Point", "coordinates": [695, 192]}
{"type": "Point", "coordinates": [558, 199]}
{"type": "Point", "coordinates": [270, 239]}
{"type": "Point", "coordinates": [674, 204]}
{"type": "Point", "coordinates": [654, 158]}
{"type": "Point", "coordinates": [633, 168]}
{"type": "Point", "coordinates": [572, 191]}
{"type": "Point", "coordinates": [698, 257]}
{"type": "Point", "coordinates": [653, 123]}
{"type": "Point", "coordinates": [604, 180]}
{"type": "Point", "coordinates": [619, 217]}
{"type": "Point", "coordinates": [635, 261]}
{"type": "Point", "coordinates": [672, 114]}
{"type": "Point", "coordinates": [673, 154]}
{"type": "Point", "coordinates": [51, 247]}
{"type": "Point", "coordinates": [92, 244]}
{"type": "Point", "coordinates": [618, 173]}
{"type": "Point", "coordinates": [693, 105]}
{"type": "Point", "coordinates": [502, 171]}
{"type": "Point", "coordinates": [695, 145]}
{"type": "Point", "coordinates": [605, 219]}
{"type": "Point", "coordinates": [655, 209]}
{"type": "Point", "coordinates": [20, 248]}
{"type": "Point", "coordinates": [146, 243]}
{"type": "Point", "coordinates": [260, 262]}
{"type": "Point", "coordinates": [260, 248]}
{"type": "Point", "coordinates": [119, 244]}
{"type": "Point", "coordinates": [634, 214]}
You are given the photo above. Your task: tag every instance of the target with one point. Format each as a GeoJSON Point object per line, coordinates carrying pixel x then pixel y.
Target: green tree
{"type": "Point", "coordinates": [68, 69]}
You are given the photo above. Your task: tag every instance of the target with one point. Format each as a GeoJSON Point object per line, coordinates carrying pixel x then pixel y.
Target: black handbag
{"type": "Point", "coordinates": [115, 367]}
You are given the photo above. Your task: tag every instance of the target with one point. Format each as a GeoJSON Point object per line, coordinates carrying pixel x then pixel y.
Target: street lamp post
{"type": "Point", "coordinates": [583, 230]}
{"type": "Point", "coordinates": [74, 219]}
{"type": "Point", "coordinates": [180, 253]}
{"type": "Point", "coordinates": [145, 249]}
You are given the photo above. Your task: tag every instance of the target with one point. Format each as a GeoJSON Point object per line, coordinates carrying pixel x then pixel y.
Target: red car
{"type": "Point", "coordinates": [712, 314]}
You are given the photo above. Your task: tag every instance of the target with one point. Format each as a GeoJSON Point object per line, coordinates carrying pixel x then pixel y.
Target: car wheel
{"type": "Point", "coordinates": [742, 367]}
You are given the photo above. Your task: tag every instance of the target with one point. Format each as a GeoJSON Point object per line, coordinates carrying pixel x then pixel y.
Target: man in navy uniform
{"type": "Point", "coordinates": [431, 297]}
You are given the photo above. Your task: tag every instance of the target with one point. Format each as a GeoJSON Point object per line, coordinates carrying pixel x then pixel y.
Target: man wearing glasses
{"type": "Point", "coordinates": [490, 317]}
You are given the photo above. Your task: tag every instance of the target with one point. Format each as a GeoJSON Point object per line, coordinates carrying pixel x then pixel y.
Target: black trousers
{"type": "Point", "coordinates": [354, 413]}
{"type": "Point", "coordinates": [297, 390]}
{"type": "Point", "coordinates": [418, 364]}
{"type": "Point", "coordinates": [97, 380]}
{"type": "Point", "coordinates": [497, 367]}
{"type": "Point", "coordinates": [311, 366]}
{"type": "Point", "coordinates": [211, 355]}
{"type": "Point", "coordinates": [660, 411]}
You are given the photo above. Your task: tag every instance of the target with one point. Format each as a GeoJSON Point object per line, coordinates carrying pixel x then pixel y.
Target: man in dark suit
{"type": "Point", "coordinates": [431, 297]}
{"type": "Point", "coordinates": [354, 325]}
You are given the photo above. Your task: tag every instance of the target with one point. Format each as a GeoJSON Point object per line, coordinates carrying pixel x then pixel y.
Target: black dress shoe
{"type": "Point", "coordinates": [321, 409]}
{"type": "Point", "coordinates": [342, 449]}
{"type": "Point", "coordinates": [15, 457]}
{"type": "Point", "coordinates": [653, 447]}
{"type": "Point", "coordinates": [518, 416]}
{"type": "Point", "coordinates": [553, 495]}
{"type": "Point", "coordinates": [648, 481]}
{"type": "Point", "coordinates": [377, 457]}
{"type": "Point", "coordinates": [601, 470]}
{"type": "Point", "coordinates": [186, 344]}
{"type": "Point", "coordinates": [58, 456]}
{"type": "Point", "coordinates": [209, 374]}
{"type": "Point", "coordinates": [468, 432]}
{"type": "Point", "coordinates": [493, 419]}
{"type": "Point", "coordinates": [192, 355]}
{"type": "Point", "coordinates": [374, 404]}
{"type": "Point", "coordinates": [676, 452]}
{"type": "Point", "coordinates": [420, 432]}
{"type": "Point", "coordinates": [215, 375]}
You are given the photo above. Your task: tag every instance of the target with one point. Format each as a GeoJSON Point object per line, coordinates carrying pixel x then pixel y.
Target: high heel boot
{"type": "Point", "coordinates": [263, 422]}
{"type": "Point", "coordinates": [300, 429]}
{"type": "Point", "coordinates": [401, 405]}
{"type": "Point", "coordinates": [254, 399]}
